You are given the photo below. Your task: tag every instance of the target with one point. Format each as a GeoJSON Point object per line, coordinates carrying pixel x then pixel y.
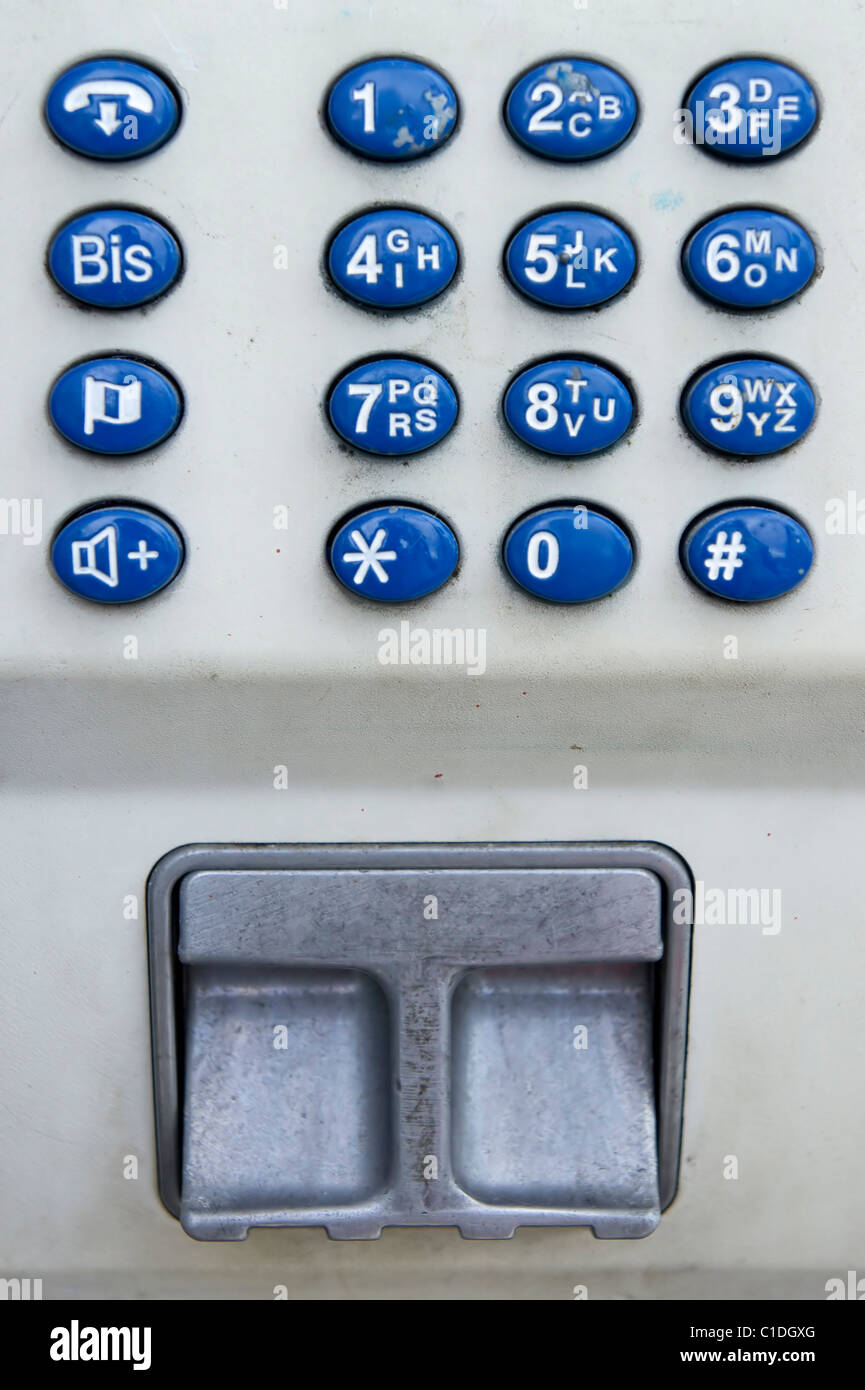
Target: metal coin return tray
{"type": "Point", "coordinates": [484, 1036]}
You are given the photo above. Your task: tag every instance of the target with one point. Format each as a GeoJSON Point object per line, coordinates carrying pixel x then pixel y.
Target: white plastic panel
{"type": "Point", "coordinates": [257, 708]}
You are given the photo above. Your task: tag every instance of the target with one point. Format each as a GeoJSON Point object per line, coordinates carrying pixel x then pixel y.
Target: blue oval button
{"type": "Point", "coordinates": [749, 258]}
{"type": "Point", "coordinates": [750, 108]}
{"type": "Point", "coordinates": [747, 553]}
{"type": "Point", "coordinates": [568, 554]}
{"type": "Point", "coordinates": [115, 405]}
{"type": "Point", "coordinates": [110, 108]}
{"type": "Point", "coordinates": [749, 406]}
{"type": "Point", "coordinates": [568, 407]}
{"type": "Point", "coordinates": [114, 258]}
{"type": "Point", "coordinates": [394, 405]}
{"type": "Point", "coordinates": [571, 108]}
{"type": "Point", "coordinates": [392, 108]}
{"type": "Point", "coordinates": [116, 553]}
{"type": "Point", "coordinates": [393, 258]}
{"type": "Point", "coordinates": [571, 259]}
{"type": "Point", "coordinates": [394, 553]}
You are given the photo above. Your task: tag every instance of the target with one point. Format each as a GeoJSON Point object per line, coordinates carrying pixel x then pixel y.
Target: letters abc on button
{"type": "Point", "coordinates": [117, 553]}
{"type": "Point", "coordinates": [114, 258]}
{"type": "Point", "coordinates": [115, 405]}
{"type": "Point", "coordinates": [571, 108]}
{"type": "Point", "coordinates": [747, 553]}
{"type": "Point", "coordinates": [749, 258]}
{"type": "Point", "coordinates": [571, 259]}
{"type": "Point", "coordinates": [749, 406]}
{"type": "Point", "coordinates": [750, 108]}
{"type": "Point", "coordinates": [392, 109]}
{"type": "Point", "coordinates": [111, 108]}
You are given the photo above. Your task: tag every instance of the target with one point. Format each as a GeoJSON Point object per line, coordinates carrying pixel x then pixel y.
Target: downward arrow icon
{"type": "Point", "coordinates": [108, 120]}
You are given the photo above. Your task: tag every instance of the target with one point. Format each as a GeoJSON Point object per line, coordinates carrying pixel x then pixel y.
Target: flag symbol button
{"type": "Point", "coordinates": [115, 405]}
{"type": "Point", "coordinates": [111, 108]}
{"type": "Point", "coordinates": [116, 553]}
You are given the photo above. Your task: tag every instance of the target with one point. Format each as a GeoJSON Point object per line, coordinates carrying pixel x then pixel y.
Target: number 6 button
{"type": "Point", "coordinates": [568, 554]}
{"type": "Point", "coordinates": [749, 258]}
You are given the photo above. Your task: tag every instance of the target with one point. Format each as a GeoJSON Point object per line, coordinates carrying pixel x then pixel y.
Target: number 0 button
{"type": "Point", "coordinates": [568, 554]}
{"type": "Point", "coordinates": [392, 108]}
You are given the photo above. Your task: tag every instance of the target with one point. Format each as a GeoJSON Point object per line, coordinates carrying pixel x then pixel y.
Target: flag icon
{"type": "Point", "coordinates": [110, 404]}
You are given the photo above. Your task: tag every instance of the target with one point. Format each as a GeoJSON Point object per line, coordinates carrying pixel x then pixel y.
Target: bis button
{"type": "Point", "coordinates": [394, 553]}
{"type": "Point", "coordinates": [571, 108]}
{"type": "Point", "coordinates": [568, 407]}
{"type": "Point", "coordinates": [393, 258]}
{"type": "Point", "coordinates": [110, 108]}
{"type": "Point", "coordinates": [117, 553]}
{"type": "Point", "coordinates": [394, 405]}
{"type": "Point", "coordinates": [750, 108]}
{"type": "Point", "coordinates": [749, 406]}
{"type": "Point", "coordinates": [571, 259]}
{"type": "Point", "coordinates": [747, 553]}
{"type": "Point", "coordinates": [749, 258]}
{"type": "Point", "coordinates": [115, 405]}
{"type": "Point", "coordinates": [568, 554]}
{"type": "Point", "coordinates": [114, 258]}
{"type": "Point", "coordinates": [392, 108]}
